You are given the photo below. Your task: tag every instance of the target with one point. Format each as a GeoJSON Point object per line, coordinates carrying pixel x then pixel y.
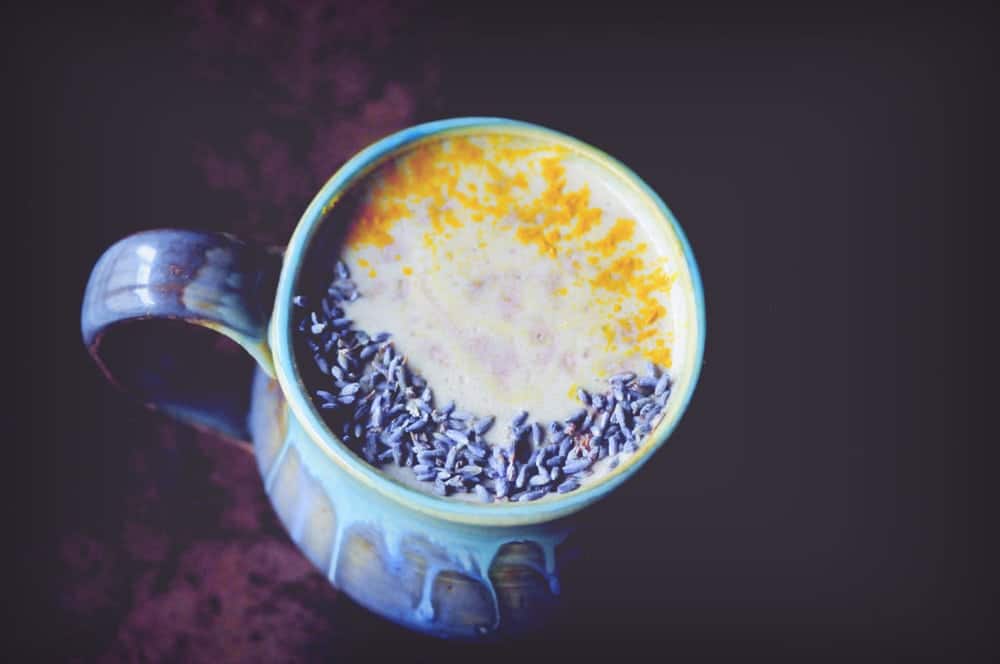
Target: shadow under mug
{"type": "Point", "coordinates": [437, 565]}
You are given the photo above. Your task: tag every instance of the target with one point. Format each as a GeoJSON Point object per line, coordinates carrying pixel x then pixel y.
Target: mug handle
{"type": "Point", "coordinates": [146, 283]}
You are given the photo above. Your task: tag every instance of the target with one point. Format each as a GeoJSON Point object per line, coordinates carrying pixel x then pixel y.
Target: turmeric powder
{"type": "Point", "coordinates": [525, 191]}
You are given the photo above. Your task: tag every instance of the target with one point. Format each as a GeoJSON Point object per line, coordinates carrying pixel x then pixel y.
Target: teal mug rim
{"type": "Point", "coordinates": [295, 391]}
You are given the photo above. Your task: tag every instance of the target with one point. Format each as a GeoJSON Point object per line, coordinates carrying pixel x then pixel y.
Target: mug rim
{"type": "Point", "coordinates": [296, 393]}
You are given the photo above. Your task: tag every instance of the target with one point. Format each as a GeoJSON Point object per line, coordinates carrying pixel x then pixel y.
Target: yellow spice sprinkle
{"type": "Point", "coordinates": [556, 222]}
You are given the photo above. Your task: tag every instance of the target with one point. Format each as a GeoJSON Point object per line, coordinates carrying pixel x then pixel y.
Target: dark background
{"type": "Point", "coordinates": [823, 497]}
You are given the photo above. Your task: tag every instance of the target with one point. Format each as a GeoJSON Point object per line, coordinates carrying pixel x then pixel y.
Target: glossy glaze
{"type": "Point", "coordinates": [424, 573]}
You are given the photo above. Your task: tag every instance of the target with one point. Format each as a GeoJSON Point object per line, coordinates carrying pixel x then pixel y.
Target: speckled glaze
{"type": "Point", "coordinates": [440, 566]}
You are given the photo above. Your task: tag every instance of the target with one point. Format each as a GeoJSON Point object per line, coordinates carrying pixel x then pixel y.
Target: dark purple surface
{"type": "Point", "coordinates": [818, 502]}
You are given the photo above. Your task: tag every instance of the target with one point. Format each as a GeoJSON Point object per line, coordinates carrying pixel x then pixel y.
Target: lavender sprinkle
{"type": "Point", "coordinates": [483, 494]}
{"type": "Point", "coordinates": [573, 467]}
{"type": "Point", "coordinates": [522, 476]}
{"type": "Point", "coordinates": [457, 436]}
{"type": "Point", "coordinates": [386, 412]}
{"type": "Point", "coordinates": [662, 384]}
{"type": "Point", "coordinates": [623, 377]}
{"type": "Point", "coordinates": [539, 480]}
{"type": "Point", "coordinates": [532, 495]}
{"type": "Point", "coordinates": [416, 426]}
{"type": "Point", "coordinates": [470, 471]}
{"type": "Point", "coordinates": [568, 485]}
{"type": "Point", "coordinates": [484, 424]}
{"type": "Point", "coordinates": [537, 433]}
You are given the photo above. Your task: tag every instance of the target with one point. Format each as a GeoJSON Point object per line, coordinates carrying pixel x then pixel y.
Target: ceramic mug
{"type": "Point", "coordinates": [436, 565]}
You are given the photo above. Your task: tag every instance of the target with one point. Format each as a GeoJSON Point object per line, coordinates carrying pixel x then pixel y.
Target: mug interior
{"type": "Point", "coordinates": [686, 301]}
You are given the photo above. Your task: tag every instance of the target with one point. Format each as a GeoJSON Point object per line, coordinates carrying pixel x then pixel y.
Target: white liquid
{"type": "Point", "coordinates": [492, 317]}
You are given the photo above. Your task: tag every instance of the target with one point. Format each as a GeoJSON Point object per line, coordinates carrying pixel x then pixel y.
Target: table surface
{"type": "Point", "coordinates": [803, 509]}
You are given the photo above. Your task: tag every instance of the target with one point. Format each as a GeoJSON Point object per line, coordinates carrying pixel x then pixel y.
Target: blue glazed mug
{"type": "Point", "coordinates": [436, 565]}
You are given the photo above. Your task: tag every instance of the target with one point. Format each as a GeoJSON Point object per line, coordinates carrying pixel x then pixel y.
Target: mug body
{"type": "Point", "coordinates": [429, 574]}
{"type": "Point", "coordinates": [438, 565]}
